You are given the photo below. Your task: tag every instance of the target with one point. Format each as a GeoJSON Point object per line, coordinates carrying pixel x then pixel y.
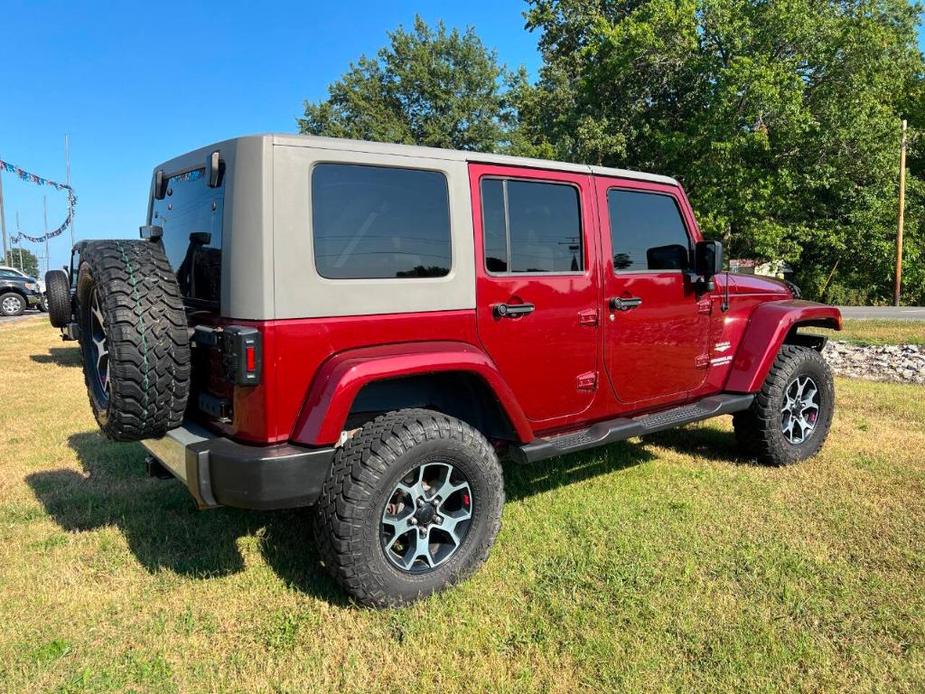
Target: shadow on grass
{"type": "Point", "coordinates": [162, 527]}
{"type": "Point", "coordinates": [164, 530]}
{"type": "Point", "coordinates": [700, 441]}
{"type": "Point", "coordinates": [526, 480]}
{"type": "Point", "coordinates": [62, 356]}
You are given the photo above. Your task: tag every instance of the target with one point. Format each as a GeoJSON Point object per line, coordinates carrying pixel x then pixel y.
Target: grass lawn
{"type": "Point", "coordinates": [664, 563]}
{"type": "Point", "coordinates": [878, 332]}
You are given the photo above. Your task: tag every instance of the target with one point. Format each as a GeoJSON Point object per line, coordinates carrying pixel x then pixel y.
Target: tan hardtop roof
{"type": "Point", "coordinates": [414, 151]}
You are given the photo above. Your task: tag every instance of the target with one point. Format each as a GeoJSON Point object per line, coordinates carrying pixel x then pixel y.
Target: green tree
{"type": "Point", "coordinates": [781, 118]}
{"type": "Point", "coordinates": [428, 87]}
{"type": "Point", "coordinates": [29, 265]}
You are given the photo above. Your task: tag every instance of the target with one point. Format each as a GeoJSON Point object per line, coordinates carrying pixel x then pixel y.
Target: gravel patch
{"type": "Point", "coordinates": [897, 363]}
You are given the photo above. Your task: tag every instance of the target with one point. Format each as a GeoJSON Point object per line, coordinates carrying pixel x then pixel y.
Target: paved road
{"type": "Point", "coordinates": [884, 312]}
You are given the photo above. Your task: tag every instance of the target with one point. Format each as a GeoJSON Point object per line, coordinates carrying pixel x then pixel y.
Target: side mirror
{"type": "Point", "coordinates": [708, 259]}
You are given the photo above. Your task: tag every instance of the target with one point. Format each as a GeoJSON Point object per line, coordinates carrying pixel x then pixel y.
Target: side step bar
{"type": "Point", "coordinates": [622, 428]}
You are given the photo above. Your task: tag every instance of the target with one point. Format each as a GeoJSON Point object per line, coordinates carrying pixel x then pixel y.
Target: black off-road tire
{"type": "Point", "coordinates": [348, 515]}
{"type": "Point", "coordinates": [8, 305]}
{"type": "Point", "coordinates": [758, 430]}
{"type": "Point", "coordinates": [145, 329]}
{"type": "Point", "coordinates": [58, 297]}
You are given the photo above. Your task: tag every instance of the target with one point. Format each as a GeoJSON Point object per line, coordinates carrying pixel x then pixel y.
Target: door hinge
{"type": "Point", "coordinates": [588, 317]}
{"type": "Point", "coordinates": [702, 361]}
{"type": "Point", "coordinates": [705, 306]}
{"type": "Point", "coordinates": [587, 380]}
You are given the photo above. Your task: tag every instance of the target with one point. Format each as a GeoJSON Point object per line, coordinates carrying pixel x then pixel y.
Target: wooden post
{"type": "Point", "coordinates": [2, 219]}
{"type": "Point", "coordinates": [897, 287]}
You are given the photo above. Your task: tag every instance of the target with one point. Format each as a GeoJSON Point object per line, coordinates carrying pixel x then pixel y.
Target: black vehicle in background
{"type": "Point", "coordinates": [17, 293]}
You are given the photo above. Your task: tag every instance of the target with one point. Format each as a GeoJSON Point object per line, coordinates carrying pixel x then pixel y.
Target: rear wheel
{"type": "Point", "coordinates": [791, 415]}
{"type": "Point", "coordinates": [133, 339]}
{"type": "Point", "coordinates": [12, 304]}
{"type": "Point", "coordinates": [412, 504]}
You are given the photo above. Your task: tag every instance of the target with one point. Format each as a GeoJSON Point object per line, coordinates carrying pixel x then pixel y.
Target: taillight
{"type": "Point", "coordinates": [242, 352]}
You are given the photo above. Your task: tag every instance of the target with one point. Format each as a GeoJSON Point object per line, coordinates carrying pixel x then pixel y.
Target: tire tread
{"type": "Point", "coordinates": [757, 429]}
{"type": "Point", "coordinates": [354, 481]}
{"type": "Point", "coordinates": [149, 352]}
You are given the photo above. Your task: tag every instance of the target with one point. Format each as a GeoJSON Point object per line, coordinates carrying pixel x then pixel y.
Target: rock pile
{"type": "Point", "coordinates": [898, 363]}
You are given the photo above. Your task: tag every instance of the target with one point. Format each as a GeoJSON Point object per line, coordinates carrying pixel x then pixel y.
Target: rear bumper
{"type": "Point", "coordinates": [221, 472]}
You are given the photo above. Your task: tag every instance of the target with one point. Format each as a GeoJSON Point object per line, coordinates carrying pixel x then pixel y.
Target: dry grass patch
{"type": "Point", "coordinates": [666, 563]}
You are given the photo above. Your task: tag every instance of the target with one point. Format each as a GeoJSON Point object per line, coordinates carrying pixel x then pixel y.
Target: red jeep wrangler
{"type": "Point", "coordinates": [366, 327]}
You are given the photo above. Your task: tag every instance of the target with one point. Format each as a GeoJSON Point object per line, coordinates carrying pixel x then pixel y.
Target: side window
{"type": "Point", "coordinates": [376, 222]}
{"type": "Point", "coordinates": [646, 232]}
{"type": "Point", "coordinates": [531, 226]}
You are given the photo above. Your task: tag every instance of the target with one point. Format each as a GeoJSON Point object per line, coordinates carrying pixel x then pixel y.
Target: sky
{"type": "Point", "coordinates": [135, 84]}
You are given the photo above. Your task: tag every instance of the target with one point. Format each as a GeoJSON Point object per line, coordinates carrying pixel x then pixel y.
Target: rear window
{"type": "Point", "coordinates": [191, 215]}
{"type": "Point", "coordinates": [376, 222]}
{"type": "Point", "coordinates": [531, 226]}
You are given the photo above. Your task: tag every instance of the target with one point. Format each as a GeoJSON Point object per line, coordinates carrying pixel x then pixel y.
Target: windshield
{"type": "Point", "coordinates": [191, 216]}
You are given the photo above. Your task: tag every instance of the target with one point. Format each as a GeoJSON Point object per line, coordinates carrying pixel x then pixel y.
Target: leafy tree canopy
{"type": "Point", "coordinates": [429, 86]}
{"type": "Point", "coordinates": [781, 118]}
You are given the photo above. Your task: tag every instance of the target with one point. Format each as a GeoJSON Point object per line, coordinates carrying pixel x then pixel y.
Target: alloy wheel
{"type": "Point", "coordinates": [427, 517]}
{"type": "Point", "coordinates": [800, 410]}
{"type": "Point", "coordinates": [11, 305]}
{"type": "Point", "coordinates": [100, 345]}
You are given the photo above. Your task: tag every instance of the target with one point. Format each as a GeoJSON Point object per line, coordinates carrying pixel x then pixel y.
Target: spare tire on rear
{"type": "Point", "coordinates": [133, 339]}
{"type": "Point", "coordinates": [58, 296]}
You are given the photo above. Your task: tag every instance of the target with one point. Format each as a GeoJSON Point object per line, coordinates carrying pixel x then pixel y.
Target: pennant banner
{"type": "Point", "coordinates": [39, 181]}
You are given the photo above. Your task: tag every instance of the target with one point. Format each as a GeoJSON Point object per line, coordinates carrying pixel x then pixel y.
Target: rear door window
{"type": "Point", "coordinates": [377, 222]}
{"type": "Point", "coordinates": [647, 232]}
{"type": "Point", "coordinates": [531, 227]}
{"type": "Point", "coordinates": [191, 216]}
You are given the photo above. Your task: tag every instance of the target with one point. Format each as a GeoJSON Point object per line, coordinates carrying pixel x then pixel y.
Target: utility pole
{"type": "Point", "coordinates": [897, 287]}
{"type": "Point", "coordinates": [67, 164]}
{"type": "Point", "coordinates": [18, 233]}
{"type": "Point", "coordinates": [2, 218]}
{"type": "Point", "coordinates": [45, 206]}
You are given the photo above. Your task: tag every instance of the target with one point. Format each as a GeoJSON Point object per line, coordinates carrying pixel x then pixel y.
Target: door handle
{"type": "Point", "coordinates": [619, 303]}
{"type": "Point", "coordinates": [511, 310]}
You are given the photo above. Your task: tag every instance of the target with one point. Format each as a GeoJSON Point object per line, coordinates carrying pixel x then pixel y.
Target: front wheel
{"type": "Point", "coordinates": [12, 304]}
{"type": "Point", "coordinates": [412, 504]}
{"type": "Point", "coordinates": [791, 415]}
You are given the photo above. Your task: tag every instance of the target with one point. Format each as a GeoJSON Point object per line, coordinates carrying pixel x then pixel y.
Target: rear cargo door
{"type": "Point", "coordinates": [536, 290]}
{"type": "Point", "coordinates": [190, 212]}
